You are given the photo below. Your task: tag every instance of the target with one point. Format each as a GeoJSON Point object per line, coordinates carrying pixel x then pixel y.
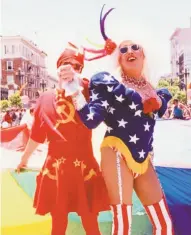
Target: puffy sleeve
{"type": "Point", "coordinates": [165, 97]}
{"type": "Point", "coordinates": [38, 131]}
{"type": "Point", "coordinates": [127, 96]}
{"type": "Point", "coordinates": [100, 88]}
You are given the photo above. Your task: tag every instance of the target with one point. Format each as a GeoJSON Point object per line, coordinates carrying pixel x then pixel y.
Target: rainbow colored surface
{"type": "Point", "coordinates": [18, 216]}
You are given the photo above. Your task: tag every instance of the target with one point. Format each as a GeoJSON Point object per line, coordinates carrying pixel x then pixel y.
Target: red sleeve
{"type": "Point", "coordinates": [86, 88]}
{"type": "Point", "coordinates": [38, 131]}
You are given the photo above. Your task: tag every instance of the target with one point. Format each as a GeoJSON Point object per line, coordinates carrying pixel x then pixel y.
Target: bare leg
{"type": "Point", "coordinates": [149, 191]}
{"type": "Point", "coordinates": [119, 182]}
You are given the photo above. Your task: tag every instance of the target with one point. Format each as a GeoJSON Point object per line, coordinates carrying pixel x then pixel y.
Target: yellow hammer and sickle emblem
{"type": "Point", "coordinates": [61, 109]}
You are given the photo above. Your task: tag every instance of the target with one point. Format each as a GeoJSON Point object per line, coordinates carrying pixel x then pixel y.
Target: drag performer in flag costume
{"type": "Point", "coordinates": [70, 180]}
{"type": "Point", "coordinates": [128, 105]}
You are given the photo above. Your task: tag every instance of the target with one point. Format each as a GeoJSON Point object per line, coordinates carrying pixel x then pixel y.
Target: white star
{"type": "Point", "coordinates": [141, 154]}
{"type": "Point", "coordinates": [111, 110]}
{"type": "Point", "coordinates": [109, 129]}
{"type": "Point", "coordinates": [119, 98]}
{"type": "Point", "coordinates": [104, 103]}
{"type": "Point", "coordinates": [133, 105]}
{"type": "Point", "coordinates": [108, 78]}
{"type": "Point", "coordinates": [90, 116]}
{"type": "Point", "coordinates": [122, 123]}
{"type": "Point", "coordinates": [133, 139]}
{"type": "Point", "coordinates": [94, 96]}
{"type": "Point", "coordinates": [138, 113]}
{"type": "Point", "coordinates": [109, 89]}
{"type": "Point", "coordinates": [147, 126]}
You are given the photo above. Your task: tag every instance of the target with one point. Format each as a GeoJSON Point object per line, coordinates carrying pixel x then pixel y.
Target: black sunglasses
{"type": "Point", "coordinates": [134, 47]}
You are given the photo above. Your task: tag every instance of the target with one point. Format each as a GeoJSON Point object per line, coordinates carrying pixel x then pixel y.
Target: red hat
{"type": "Point", "coordinates": [71, 51]}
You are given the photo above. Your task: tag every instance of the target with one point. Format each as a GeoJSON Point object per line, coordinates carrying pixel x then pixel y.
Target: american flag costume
{"type": "Point", "coordinates": [130, 118]}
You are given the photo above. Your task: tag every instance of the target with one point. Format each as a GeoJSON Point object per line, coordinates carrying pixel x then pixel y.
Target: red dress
{"type": "Point", "coordinates": [70, 180]}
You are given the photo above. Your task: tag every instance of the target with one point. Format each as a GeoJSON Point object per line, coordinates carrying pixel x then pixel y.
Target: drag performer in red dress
{"type": "Point", "coordinates": [70, 180]}
{"type": "Point", "coordinates": [128, 105]}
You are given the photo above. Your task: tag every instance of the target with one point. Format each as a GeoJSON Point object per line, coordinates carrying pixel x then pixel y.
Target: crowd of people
{"type": "Point", "coordinates": [177, 110]}
{"type": "Point", "coordinates": [16, 116]}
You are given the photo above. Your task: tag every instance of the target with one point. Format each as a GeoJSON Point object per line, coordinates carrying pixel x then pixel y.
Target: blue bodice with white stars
{"type": "Point", "coordinates": [121, 109]}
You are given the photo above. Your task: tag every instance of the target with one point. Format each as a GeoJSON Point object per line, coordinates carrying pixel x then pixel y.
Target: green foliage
{"type": "Point", "coordinates": [15, 100]}
{"type": "Point", "coordinates": [176, 82]}
{"type": "Point", "coordinates": [173, 87]}
{"type": "Point", "coordinates": [173, 90]}
{"type": "Point", "coordinates": [181, 96]}
{"type": "Point", "coordinates": [163, 83]}
{"type": "Point", "coordinates": [4, 104]}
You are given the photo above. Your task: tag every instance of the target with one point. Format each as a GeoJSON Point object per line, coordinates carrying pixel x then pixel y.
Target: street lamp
{"type": "Point", "coordinates": [20, 75]}
{"type": "Point", "coordinates": [186, 82]}
{"type": "Point", "coordinates": [43, 84]}
{"type": "Point", "coordinates": [171, 81]}
{"type": "Point", "coordinates": [181, 81]}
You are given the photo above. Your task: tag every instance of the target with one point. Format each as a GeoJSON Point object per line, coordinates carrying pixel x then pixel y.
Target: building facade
{"type": "Point", "coordinates": [23, 66]}
{"type": "Point", "coordinates": [52, 82]}
{"type": "Point", "coordinates": [181, 53]}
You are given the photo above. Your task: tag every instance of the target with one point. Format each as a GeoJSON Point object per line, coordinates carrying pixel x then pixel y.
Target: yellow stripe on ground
{"type": "Point", "coordinates": [36, 228]}
{"type": "Point", "coordinates": [17, 214]}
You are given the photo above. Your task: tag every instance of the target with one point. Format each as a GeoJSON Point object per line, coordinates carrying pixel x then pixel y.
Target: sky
{"type": "Point", "coordinates": [51, 23]}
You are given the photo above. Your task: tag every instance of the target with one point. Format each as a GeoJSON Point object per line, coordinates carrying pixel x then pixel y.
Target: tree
{"type": "Point", "coordinates": [173, 85]}
{"type": "Point", "coordinates": [176, 81]}
{"type": "Point", "coordinates": [173, 90]}
{"type": "Point", "coordinates": [163, 83]}
{"type": "Point", "coordinates": [4, 104]}
{"type": "Point", "coordinates": [181, 96]}
{"type": "Point", "coordinates": [15, 100]}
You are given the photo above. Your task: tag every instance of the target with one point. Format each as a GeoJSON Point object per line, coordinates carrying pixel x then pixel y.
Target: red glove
{"type": "Point", "coordinates": [150, 105]}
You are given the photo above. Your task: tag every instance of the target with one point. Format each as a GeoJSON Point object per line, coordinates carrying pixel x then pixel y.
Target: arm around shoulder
{"type": "Point", "coordinates": [94, 112]}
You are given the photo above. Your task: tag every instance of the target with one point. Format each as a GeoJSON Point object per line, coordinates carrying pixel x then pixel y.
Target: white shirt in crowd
{"type": "Point", "coordinates": [27, 119]}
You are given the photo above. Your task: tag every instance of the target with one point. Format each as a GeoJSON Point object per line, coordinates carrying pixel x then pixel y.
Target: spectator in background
{"type": "Point", "coordinates": [32, 111]}
{"type": "Point", "coordinates": [13, 116]}
{"type": "Point", "coordinates": [177, 112]}
{"type": "Point", "coordinates": [27, 118]}
{"type": "Point", "coordinates": [17, 119]}
{"type": "Point", "coordinates": [7, 119]}
{"type": "Point", "coordinates": [20, 115]}
{"type": "Point", "coordinates": [23, 111]}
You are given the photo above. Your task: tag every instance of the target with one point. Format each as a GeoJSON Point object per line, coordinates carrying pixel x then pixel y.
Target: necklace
{"type": "Point", "coordinates": [141, 86]}
{"type": "Point", "coordinates": [139, 83]}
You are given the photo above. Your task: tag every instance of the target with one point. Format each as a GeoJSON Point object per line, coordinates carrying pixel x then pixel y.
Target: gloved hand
{"type": "Point", "coordinates": [69, 80]}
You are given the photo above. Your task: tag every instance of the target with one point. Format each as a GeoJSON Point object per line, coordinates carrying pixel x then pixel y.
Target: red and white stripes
{"type": "Point", "coordinates": [122, 214]}
{"type": "Point", "coordinates": [122, 219]}
{"type": "Point", "coordinates": [160, 218]}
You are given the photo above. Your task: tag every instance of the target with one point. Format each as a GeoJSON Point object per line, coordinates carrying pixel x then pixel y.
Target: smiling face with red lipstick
{"type": "Point", "coordinates": [131, 59]}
